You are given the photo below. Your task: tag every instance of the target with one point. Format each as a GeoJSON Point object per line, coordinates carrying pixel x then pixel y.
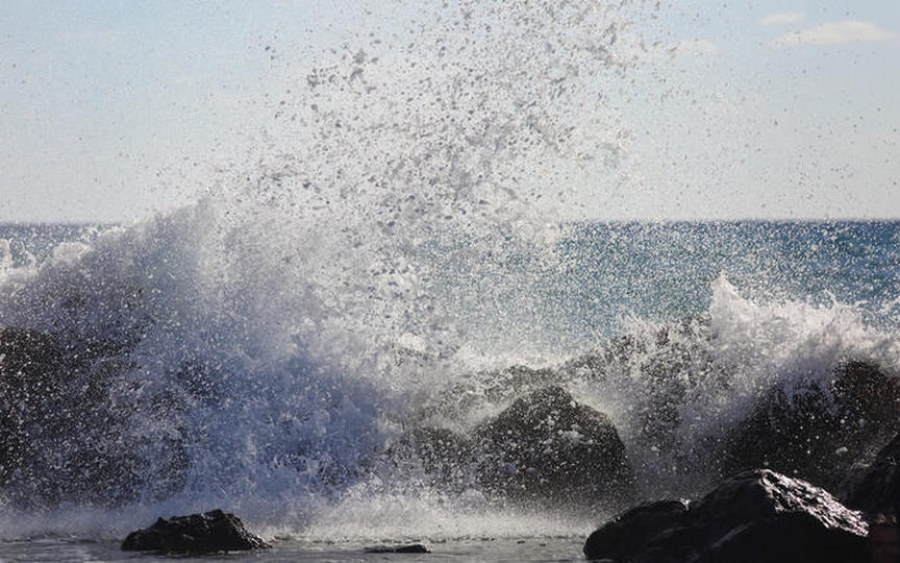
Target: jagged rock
{"type": "Point", "coordinates": [756, 516]}
{"type": "Point", "coordinates": [547, 449]}
{"type": "Point", "coordinates": [819, 433]}
{"type": "Point", "coordinates": [877, 490]}
{"type": "Point", "coordinates": [211, 532]}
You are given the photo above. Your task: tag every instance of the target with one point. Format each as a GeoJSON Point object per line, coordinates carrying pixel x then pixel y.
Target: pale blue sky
{"type": "Point", "coordinates": [111, 110]}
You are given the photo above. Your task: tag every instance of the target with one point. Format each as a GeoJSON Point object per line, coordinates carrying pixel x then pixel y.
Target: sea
{"type": "Point", "coordinates": [424, 214]}
{"type": "Point", "coordinates": [285, 373]}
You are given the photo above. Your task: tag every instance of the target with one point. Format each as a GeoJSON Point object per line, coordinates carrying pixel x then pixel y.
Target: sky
{"type": "Point", "coordinates": [112, 111]}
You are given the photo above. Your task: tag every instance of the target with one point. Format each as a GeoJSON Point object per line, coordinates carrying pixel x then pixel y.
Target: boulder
{"type": "Point", "coordinates": [548, 450]}
{"type": "Point", "coordinates": [756, 516]}
{"type": "Point", "coordinates": [631, 536]}
{"type": "Point", "coordinates": [544, 451]}
{"type": "Point", "coordinates": [877, 490]}
{"type": "Point", "coordinates": [819, 431]}
{"type": "Point", "coordinates": [210, 532]}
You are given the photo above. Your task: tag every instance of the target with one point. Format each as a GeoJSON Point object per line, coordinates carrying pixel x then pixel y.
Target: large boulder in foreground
{"type": "Point", "coordinates": [756, 516]}
{"type": "Point", "coordinates": [210, 532]}
{"type": "Point", "coordinates": [820, 431]}
{"type": "Point", "coordinates": [547, 450]}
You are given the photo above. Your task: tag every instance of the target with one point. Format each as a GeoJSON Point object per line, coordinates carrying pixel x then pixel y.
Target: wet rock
{"type": "Point", "coordinates": [446, 458]}
{"type": "Point", "coordinates": [210, 532]}
{"type": "Point", "coordinates": [548, 450]}
{"type": "Point", "coordinates": [412, 548]}
{"type": "Point", "coordinates": [545, 451]}
{"type": "Point", "coordinates": [819, 433]}
{"type": "Point", "coordinates": [632, 532]}
{"type": "Point", "coordinates": [63, 436]}
{"type": "Point", "coordinates": [877, 489]}
{"type": "Point", "coordinates": [756, 516]}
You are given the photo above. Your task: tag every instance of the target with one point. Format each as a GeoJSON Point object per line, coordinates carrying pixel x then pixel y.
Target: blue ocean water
{"type": "Point", "coordinates": [283, 377]}
{"type": "Point", "coordinates": [331, 360]}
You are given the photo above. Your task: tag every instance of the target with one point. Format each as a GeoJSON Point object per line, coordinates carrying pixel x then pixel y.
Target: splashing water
{"type": "Point", "coordinates": [393, 238]}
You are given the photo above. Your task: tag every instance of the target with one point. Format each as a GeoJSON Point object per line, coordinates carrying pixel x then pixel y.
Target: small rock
{"type": "Point", "coordinates": [413, 548]}
{"type": "Point", "coordinates": [210, 532]}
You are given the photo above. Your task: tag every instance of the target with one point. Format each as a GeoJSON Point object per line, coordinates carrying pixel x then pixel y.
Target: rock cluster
{"type": "Point", "coordinates": [821, 437]}
{"type": "Point", "coordinates": [755, 516]}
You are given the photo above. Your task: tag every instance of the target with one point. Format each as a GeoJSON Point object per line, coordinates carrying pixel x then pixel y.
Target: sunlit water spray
{"type": "Point", "coordinates": [392, 239]}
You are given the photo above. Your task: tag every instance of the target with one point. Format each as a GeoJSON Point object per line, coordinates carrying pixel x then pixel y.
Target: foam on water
{"type": "Point", "coordinates": [284, 391]}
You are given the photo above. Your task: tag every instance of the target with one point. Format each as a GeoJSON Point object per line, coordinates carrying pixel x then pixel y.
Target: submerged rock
{"type": "Point", "coordinates": [412, 548]}
{"type": "Point", "coordinates": [211, 532]}
{"type": "Point", "coordinates": [756, 516]}
{"type": "Point", "coordinates": [818, 433]}
{"type": "Point", "coordinates": [547, 449]}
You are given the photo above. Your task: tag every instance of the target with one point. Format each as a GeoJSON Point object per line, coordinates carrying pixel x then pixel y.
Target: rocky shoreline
{"type": "Point", "coordinates": [807, 469]}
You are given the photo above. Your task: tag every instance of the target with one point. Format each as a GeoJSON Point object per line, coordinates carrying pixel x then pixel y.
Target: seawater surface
{"type": "Point", "coordinates": [488, 550]}
{"type": "Point", "coordinates": [283, 382]}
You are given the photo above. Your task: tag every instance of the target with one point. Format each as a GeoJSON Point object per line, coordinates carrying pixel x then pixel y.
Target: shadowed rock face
{"type": "Point", "coordinates": [877, 490]}
{"type": "Point", "coordinates": [210, 532]}
{"type": "Point", "coordinates": [544, 451]}
{"type": "Point", "coordinates": [548, 449]}
{"type": "Point", "coordinates": [819, 434]}
{"type": "Point", "coordinates": [756, 516]}
{"type": "Point", "coordinates": [62, 438]}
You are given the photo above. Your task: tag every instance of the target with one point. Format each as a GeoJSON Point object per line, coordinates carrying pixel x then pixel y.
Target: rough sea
{"type": "Point", "coordinates": [284, 376]}
{"type": "Point", "coordinates": [403, 233]}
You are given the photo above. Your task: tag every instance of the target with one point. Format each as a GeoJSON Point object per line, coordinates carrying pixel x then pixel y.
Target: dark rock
{"type": "Point", "coordinates": [210, 532]}
{"type": "Point", "coordinates": [65, 438]}
{"type": "Point", "coordinates": [545, 451]}
{"type": "Point", "coordinates": [756, 516]}
{"type": "Point", "coordinates": [548, 450]}
{"type": "Point", "coordinates": [446, 458]}
{"type": "Point", "coordinates": [819, 433]}
{"type": "Point", "coordinates": [413, 548]}
{"type": "Point", "coordinates": [630, 533]}
{"type": "Point", "coordinates": [877, 490]}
